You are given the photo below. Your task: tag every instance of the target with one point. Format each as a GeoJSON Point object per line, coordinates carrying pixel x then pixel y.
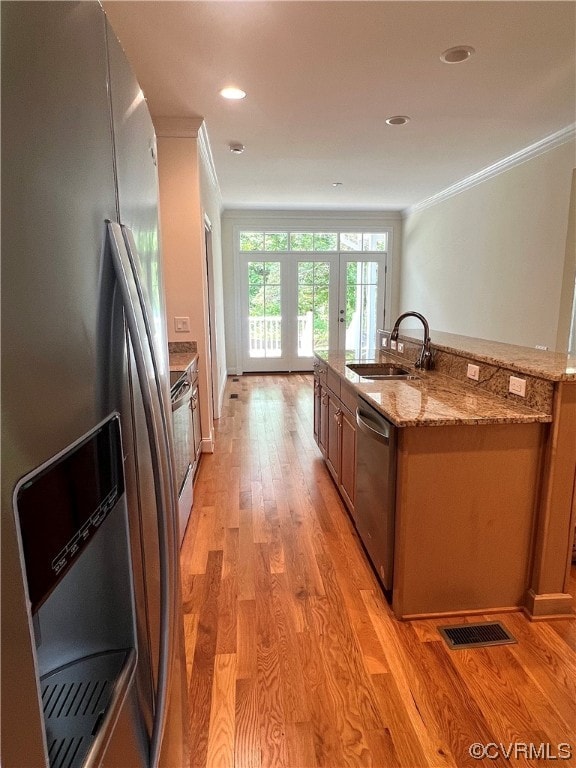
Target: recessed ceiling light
{"type": "Point", "coordinates": [457, 55]}
{"type": "Point", "coordinates": [398, 120]}
{"type": "Point", "coordinates": [232, 93]}
{"type": "Point", "coordinates": [236, 148]}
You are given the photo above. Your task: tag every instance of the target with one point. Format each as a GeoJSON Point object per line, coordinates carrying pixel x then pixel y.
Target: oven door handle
{"type": "Point", "coordinates": [184, 396]}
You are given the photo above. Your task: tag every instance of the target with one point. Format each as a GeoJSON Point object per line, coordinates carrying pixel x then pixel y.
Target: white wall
{"type": "Point", "coordinates": [491, 262]}
{"type": "Point", "coordinates": [211, 204]}
{"type": "Point", "coordinates": [184, 260]}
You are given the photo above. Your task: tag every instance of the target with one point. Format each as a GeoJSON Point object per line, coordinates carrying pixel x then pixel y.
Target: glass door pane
{"type": "Point", "coordinates": [313, 306]}
{"type": "Point", "coordinates": [361, 302]}
{"type": "Point", "coordinates": [264, 309]}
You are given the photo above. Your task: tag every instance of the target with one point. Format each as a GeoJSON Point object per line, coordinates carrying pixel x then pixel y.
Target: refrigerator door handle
{"type": "Point", "coordinates": [153, 400]}
{"type": "Point", "coordinates": [171, 519]}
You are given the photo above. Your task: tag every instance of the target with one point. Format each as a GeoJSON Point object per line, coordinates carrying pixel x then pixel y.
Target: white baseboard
{"type": "Point", "coordinates": [207, 444]}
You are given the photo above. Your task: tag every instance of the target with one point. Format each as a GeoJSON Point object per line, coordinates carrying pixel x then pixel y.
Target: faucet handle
{"type": "Point", "coordinates": [426, 360]}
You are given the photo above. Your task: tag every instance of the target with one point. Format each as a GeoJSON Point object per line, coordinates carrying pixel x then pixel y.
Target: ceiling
{"type": "Point", "coordinates": [322, 77]}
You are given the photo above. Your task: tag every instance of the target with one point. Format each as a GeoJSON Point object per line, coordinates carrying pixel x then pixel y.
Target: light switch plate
{"type": "Point", "coordinates": [182, 324]}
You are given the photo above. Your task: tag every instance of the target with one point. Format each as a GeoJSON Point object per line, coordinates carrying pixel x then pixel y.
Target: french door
{"type": "Point", "coordinates": [293, 303]}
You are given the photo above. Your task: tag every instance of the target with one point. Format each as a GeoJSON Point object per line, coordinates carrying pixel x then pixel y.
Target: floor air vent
{"type": "Point", "coordinates": [478, 635]}
{"type": "Point", "coordinates": [234, 397]}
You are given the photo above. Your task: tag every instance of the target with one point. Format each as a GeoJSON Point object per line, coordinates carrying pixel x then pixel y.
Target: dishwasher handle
{"type": "Point", "coordinates": [378, 431]}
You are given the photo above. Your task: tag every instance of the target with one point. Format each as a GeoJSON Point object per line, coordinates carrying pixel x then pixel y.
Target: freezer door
{"type": "Point", "coordinates": [135, 152]}
{"type": "Point", "coordinates": [57, 191]}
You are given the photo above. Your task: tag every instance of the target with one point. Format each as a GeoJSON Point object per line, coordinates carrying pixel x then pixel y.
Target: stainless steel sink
{"type": "Point", "coordinates": [381, 371]}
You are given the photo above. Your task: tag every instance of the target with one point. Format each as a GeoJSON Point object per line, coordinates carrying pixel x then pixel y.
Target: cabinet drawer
{"type": "Point", "coordinates": [333, 381]}
{"type": "Point", "coordinates": [349, 398]}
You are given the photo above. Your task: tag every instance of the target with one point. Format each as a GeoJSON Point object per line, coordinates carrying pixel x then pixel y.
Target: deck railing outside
{"type": "Point", "coordinates": [265, 335]}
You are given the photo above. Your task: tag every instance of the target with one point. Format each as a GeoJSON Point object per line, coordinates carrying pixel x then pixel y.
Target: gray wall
{"type": "Point", "coordinates": [495, 261]}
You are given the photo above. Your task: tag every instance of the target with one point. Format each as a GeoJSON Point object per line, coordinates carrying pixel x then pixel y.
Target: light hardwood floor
{"type": "Point", "coordinates": [294, 657]}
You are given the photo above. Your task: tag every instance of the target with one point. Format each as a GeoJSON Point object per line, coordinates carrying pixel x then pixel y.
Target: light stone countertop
{"type": "Point", "coordinates": [431, 400]}
{"type": "Point", "coordinates": [180, 361]}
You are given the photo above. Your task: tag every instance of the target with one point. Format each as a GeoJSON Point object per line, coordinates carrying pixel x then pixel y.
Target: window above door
{"type": "Point", "coordinates": [309, 242]}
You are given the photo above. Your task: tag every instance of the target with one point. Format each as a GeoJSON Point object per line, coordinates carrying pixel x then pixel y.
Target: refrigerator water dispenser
{"type": "Point", "coordinates": [74, 541]}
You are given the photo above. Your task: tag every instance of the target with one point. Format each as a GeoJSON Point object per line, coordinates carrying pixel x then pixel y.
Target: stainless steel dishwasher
{"type": "Point", "coordinates": [376, 488]}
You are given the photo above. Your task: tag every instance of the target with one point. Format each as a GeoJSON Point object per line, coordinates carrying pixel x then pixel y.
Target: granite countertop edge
{"type": "Point", "coordinates": [438, 399]}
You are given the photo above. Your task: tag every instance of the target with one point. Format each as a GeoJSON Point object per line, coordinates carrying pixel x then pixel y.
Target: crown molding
{"type": "Point", "coordinates": [177, 127]}
{"type": "Point", "coordinates": [563, 136]}
{"type": "Point", "coordinates": [208, 159]}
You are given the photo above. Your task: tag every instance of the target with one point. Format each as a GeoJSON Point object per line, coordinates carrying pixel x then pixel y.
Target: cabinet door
{"type": "Point", "coordinates": [347, 457]}
{"type": "Point", "coordinates": [333, 444]}
{"type": "Point", "coordinates": [323, 427]}
{"type": "Point", "coordinates": [317, 408]}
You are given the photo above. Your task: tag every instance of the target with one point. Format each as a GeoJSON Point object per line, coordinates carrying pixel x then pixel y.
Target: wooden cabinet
{"type": "Point", "coordinates": [333, 412]}
{"type": "Point", "coordinates": [335, 429]}
{"type": "Point", "coordinates": [348, 456]}
{"type": "Point", "coordinates": [320, 406]}
{"type": "Point", "coordinates": [317, 406]}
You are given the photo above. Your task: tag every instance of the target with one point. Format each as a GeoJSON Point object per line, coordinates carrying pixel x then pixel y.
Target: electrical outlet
{"type": "Point", "coordinates": [393, 345]}
{"type": "Point", "coordinates": [182, 324]}
{"type": "Point", "coordinates": [473, 372]}
{"type": "Point", "coordinates": [384, 342]}
{"type": "Point", "coordinates": [400, 346]}
{"type": "Point", "coordinates": [517, 386]}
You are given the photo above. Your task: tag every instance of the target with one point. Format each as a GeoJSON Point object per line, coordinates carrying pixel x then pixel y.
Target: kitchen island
{"type": "Point", "coordinates": [484, 478]}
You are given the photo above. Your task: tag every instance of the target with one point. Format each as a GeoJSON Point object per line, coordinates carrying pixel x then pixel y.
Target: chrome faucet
{"type": "Point", "coordinates": [424, 359]}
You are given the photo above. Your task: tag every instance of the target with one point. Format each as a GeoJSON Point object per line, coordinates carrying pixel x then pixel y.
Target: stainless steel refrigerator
{"type": "Point", "coordinates": [90, 571]}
